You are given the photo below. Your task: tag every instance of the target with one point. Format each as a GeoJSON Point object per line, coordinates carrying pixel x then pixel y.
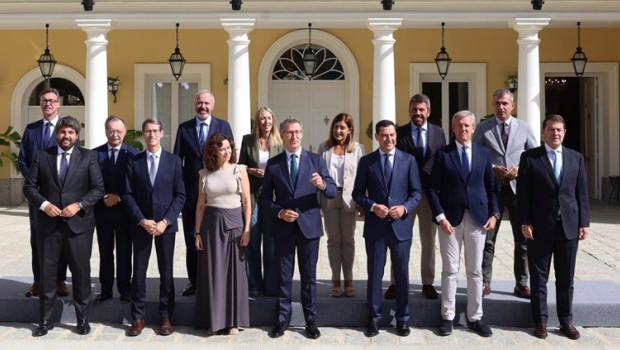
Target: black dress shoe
{"type": "Point", "coordinates": [312, 331]}
{"type": "Point", "coordinates": [429, 292]}
{"type": "Point", "coordinates": [101, 297]}
{"type": "Point", "coordinates": [390, 293]}
{"type": "Point", "coordinates": [541, 330]}
{"type": "Point", "coordinates": [189, 290]}
{"type": "Point", "coordinates": [480, 328]}
{"type": "Point", "coordinates": [125, 297]}
{"type": "Point", "coordinates": [372, 329]}
{"type": "Point", "coordinates": [83, 327]}
{"type": "Point", "coordinates": [402, 328]}
{"type": "Point", "coordinates": [570, 331]}
{"type": "Point", "coordinates": [42, 329]}
{"type": "Point", "coordinates": [278, 329]}
{"type": "Point", "coordinates": [445, 328]}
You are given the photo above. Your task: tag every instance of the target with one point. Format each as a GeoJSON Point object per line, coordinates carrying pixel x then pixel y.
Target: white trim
{"type": "Point", "coordinates": [23, 89]}
{"type": "Point", "coordinates": [342, 52]}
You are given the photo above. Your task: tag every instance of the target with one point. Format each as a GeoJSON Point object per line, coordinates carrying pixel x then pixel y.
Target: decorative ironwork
{"type": "Point", "coordinates": [290, 66]}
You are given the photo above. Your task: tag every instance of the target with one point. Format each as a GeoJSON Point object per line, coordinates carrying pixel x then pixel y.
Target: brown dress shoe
{"type": "Point", "coordinates": [349, 289]}
{"type": "Point", "coordinates": [33, 290]}
{"type": "Point", "coordinates": [541, 330]}
{"type": "Point", "coordinates": [63, 291]}
{"type": "Point", "coordinates": [429, 291]}
{"type": "Point", "coordinates": [486, 290]}
{"type": "Point", "coordinates": [136, 328]}
{"type": "Point", "coordinates": [570, 331]}
{"type": "Point", "coordinates": [523, 292]}
{"type": "Point", "coordinates": [336, 292]}
{"type": "Point", "coordinates": [166, 327]}
{"type": "Point", "coordinates": [390, 293]}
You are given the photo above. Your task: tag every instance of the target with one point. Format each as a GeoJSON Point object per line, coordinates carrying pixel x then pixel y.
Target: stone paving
{"type": "Point", "coordinates": [598, 259]}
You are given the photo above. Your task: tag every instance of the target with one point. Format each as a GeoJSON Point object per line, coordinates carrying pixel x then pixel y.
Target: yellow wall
{"type": "Point", "coordinates": [496, 47]}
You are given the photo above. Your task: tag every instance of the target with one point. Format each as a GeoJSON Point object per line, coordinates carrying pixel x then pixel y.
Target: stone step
{"type": "Point", "coordinates": [595, 303]}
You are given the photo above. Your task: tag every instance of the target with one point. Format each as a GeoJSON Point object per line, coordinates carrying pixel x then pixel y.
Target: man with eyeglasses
{"type": "Point", "coordinates": [37, 136]}
{"type": "Point", "coordinates": [112, 219]}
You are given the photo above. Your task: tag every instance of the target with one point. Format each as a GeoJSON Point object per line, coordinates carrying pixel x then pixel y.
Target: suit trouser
{"type": "Point", "coordinates": [428, 232]}
{"type": "Point", "coordinates": [191, 255]}
{"type": "Point", "coordinates": [77, 249]}
{"type": "Point", "coordinates": [307, 255]}
{"type": "Point", "coordinates": [376, 251]}
{"type": "Point", "coordinates": [142, 246]}
{"type": "Point", "coordinates": [340, 229]}
{"type": "Point", "coordinates": [507, 200]}
{"type": "Point", "coordinates": [110, 231]}
{"type": "Point", "coordinates": [260, 232]}
{"type": "Point", "coordinates": [36, 272]}
{"type": "Point", "coordinates": [472, 237]}
{"type": "Point", "coordinates": [564, 253]}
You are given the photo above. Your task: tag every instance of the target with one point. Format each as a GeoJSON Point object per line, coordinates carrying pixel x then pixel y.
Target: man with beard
{"type": "Point", "coordinates": [189, 145]}
{"type": "Point", "coordinates": [64, 183]}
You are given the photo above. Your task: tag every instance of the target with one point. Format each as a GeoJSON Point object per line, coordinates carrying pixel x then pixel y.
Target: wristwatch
{"type": "Point", "coordinates": [80, 205]}
{"type": "Point", "coordinates": [497, 216]}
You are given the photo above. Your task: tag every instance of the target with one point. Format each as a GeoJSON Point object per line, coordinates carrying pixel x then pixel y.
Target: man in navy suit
{"type": "Point", "coordinates": [421, 139]}
{"type": "Point", "coordinates": [387, 186]}
{"type": "Point", "coordinates": [37, 136]}
{"type": "Point", "coordinates": [192, 135]}
{"type": "Point", "coordinates": [462, 197]}
{"type": "Point", "coordinates": [112, 218]}
{"type": "Point", "coordinates": [552, 195]}
{"type": "Point", "coordinates": [64, 183]}
{"type": "Point", "coordinates": [291, 183]}
{"type": "Point", "coordinates": [154, 196]}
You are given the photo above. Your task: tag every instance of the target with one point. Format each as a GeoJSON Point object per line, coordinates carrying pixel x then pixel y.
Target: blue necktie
{"type": "Point", "coordinates": [202, 136]}
{"type": "Point", "coordinates": [48, 133]}
{"type": "Point", "coordinates": [293, 169]}
{"type": "Point", "coordinates": [387, 169]}
{"type": "Point", "coordinates": [64, 165]}
{"type": "Point", "coordinates": [465, 162]}
{"type": "Point", "coordinates": [112, 156]}
{"type": "Point", "coordinates": [153, 171]}
{"type": "Point", "coordinates": [419, 144]}
{"type": "Point", "coordinates": [557, 166]}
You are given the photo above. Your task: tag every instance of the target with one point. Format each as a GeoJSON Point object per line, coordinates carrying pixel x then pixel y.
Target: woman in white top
{"type": "Point", "coordinates": [341, 155]}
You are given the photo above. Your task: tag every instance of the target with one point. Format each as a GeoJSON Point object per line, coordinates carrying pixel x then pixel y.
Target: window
{"type": "Point", "coordinates": [290, 65]}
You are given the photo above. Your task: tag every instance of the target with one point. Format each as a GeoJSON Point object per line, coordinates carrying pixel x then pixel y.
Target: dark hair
{"type": "Point", "coordinates": [47, 91]}
{"type": "Point", "coordinates": [68, 121]}
{"type": "Point", "coordinates": [114, 118]}
{"type": "Point", "coordinates": [553, 118]}
{"type": "Point", "coordinates": [290, 120]}
{"type": "Point", "coordinates": [152, 121]}
{"type": "Point", "coordinates": [383, 124]}
{"type": "Point", "coordinates": [212, 148]}
{"type": "Point", "coordinates": [420, 98]}
{"type": "Point", "coordinates": [347, 119]}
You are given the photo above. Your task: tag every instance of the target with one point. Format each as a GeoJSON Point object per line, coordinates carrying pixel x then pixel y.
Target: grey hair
{"type": "Point", "coordinates": [204, 91]}
{"type": "Point", "coordinates": [288, 121]}
{"type": "Point", "coordinates": [503, 92]}
{"type": "Point", "coordinates": [114, 118]}
{"type": "Point", "coordinates": [464, 114]}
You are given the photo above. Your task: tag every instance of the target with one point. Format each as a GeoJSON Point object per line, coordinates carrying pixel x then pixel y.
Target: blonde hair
{"type": "Point", "coordinates": [274, 135]}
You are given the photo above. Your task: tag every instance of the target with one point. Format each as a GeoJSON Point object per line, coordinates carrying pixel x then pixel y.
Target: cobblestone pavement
{"type": "Point", "coordinates": [598, 259]}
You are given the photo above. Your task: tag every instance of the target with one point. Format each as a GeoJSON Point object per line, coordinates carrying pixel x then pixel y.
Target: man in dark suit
{"type": "Point", "coordinates": [461, 193]}
{"type": "Point", "coordinates": [64, 182]}
{"type": "Point", "coordinates": [112, 219]}
{"type": "Point", "coordinates": [506, 137]}
{"type": "Point", "coordinates": [192, 135]}
{"type": "Point", "coordinates": [37, 136]}
{"type": "Point", "coordinates": [291, 183]}
{"type": "Point", "coordinates": [421, 139]}
{"type": "Point", "coordinates": [387, 186]}
{"type": "Point", "coordinates": [552, 195]}
{"type": "Point", "coordinates": [154, 196]}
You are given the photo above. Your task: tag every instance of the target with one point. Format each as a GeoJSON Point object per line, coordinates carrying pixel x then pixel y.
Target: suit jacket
{"type": "Point", "coordinates": [278, 193]}
{"type": "Point", "coordinates": [164, 199]}
{"type": "Point", "coordinates": [83, 183]}
{"type": "Point", "coordinates": [520, 138]}
{"type": "Point", "coordinates": [451, 193]}
{"type": "Point", "coordinates": [350, 170]}
{"type": "Point", "coordinates": [186, 146]}
{"type": "Point", "coordinates": [405, 189]}
{"type": "Point", "coordinates": [435, 139]}
{"type": "Point", "coordinates": [32, 142]}
{"type": "Point", "coordinates": [113, 180]}
{"type": "Point", "coordinates": [248, 155]}
{"type": "Point", "coordinates": [540, 197]}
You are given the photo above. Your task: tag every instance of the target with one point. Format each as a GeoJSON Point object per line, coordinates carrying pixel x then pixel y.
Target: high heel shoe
{"type": "Point", "coordinates": [336, 293]}
{"type": "Point", "coordinates": [349, 289]}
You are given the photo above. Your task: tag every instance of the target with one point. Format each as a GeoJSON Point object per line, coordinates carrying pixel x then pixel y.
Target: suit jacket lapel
{"type": "Point", "coordinates": [456, 161]}
{"type": "Point", "coordinates": [496, 133]}
{"type": "Point", "coordinates": [285, 171]}
{"type": "Point", "coordinates": [377, 168]}
{"type": "Point", "coordinates": [144, 170]}
{"type": "Point", "coordinates": [546, 163]}
{"type": "Point", "coordinates": [53, 167]}
{"type": "Point", "coordinates": [74, 161]}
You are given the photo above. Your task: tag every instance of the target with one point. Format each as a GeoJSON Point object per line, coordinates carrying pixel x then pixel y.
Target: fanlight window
{"type": "Point", "coordinates": [290, 65]}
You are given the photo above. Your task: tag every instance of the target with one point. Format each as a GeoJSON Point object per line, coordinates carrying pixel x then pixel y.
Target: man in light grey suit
{"type": "Point", "coordinates": [506, 137]}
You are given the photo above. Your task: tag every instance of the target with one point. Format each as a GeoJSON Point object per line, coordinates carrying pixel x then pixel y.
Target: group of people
{"type": "Point", "coordinates": [248, 212]}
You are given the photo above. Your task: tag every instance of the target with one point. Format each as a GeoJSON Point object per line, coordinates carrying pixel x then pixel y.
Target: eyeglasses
{"type": "Point", "coordinates": [293, 133]}
{"type": "Point", "coordinates": [149, 132]}
{"type": "Point", "coordinates": [44, 102]}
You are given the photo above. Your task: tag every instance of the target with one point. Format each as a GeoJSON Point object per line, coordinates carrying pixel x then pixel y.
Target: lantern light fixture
{"type": "Point", "coordinates": [579, 57]}
{"type": "Point", "coordinates": [443, 59]}
{"type": "Point", "coordinates": [46, 61]}
{"type": "Point", "coordinates": [176, 60]}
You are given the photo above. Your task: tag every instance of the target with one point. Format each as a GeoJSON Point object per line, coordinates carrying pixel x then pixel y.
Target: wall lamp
{"type": "Point", "coordinates": [512, 83]}
{"type": "Point", "coordinates": [113, 83]}
{"type": "Point", "coordinates": [88, 5]}
{"type": "Point", "coordinates": [387, 4]}
{"type": "Point", "coordinates": [236, 4]}
{"type": "Point", "coordinates": [538, 4]}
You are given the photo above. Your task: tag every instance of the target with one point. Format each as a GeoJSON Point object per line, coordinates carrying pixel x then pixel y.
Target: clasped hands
{"type": "Point", "coordinates": [502, 172]}
{"type": "Point", "coordinates": [69, 211]}
{"type": "Point", "coordinates": [395, 212]}
{"type": "Point", "coordinates": [153, 227]}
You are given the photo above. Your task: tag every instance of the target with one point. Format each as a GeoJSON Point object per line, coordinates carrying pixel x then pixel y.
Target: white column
{"type": "Point", "coordinates": [239, 113]}
{"type": "Point", "coordinates": [96, 94]}
{"type": "Point", "coordinates": [383, 86]}
{"type": "Point", "coordinates": [528, 106]}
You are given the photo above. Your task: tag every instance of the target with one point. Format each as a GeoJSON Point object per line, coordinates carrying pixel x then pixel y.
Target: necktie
{"type": "Point", "coordinates": [113, 156]}
{"type": "Point", "coordinates": [419, 144]}
{"type": "Point", "coordinates": [465, 162]}
{"type": "Point", "coordinates": [387, 168]}
{"type": "Point", "coordinates": [202, 136]}
{"type": "Point", "coordinates": [153, 171]}
{"type": "Point", "coordinates": [557, 165]}
{"type": "Point", "coordinates": [293, 169]}
{"type": "Point", "coordinates": [48, 133]}
{"type": "Point", "coordinates": [504, 135]}
{"type": "Point", "coordinates": [64, 165]}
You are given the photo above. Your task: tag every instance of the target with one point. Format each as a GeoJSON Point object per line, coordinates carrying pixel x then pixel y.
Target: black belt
{"type": "Point", "coordinates": [339, 189]}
